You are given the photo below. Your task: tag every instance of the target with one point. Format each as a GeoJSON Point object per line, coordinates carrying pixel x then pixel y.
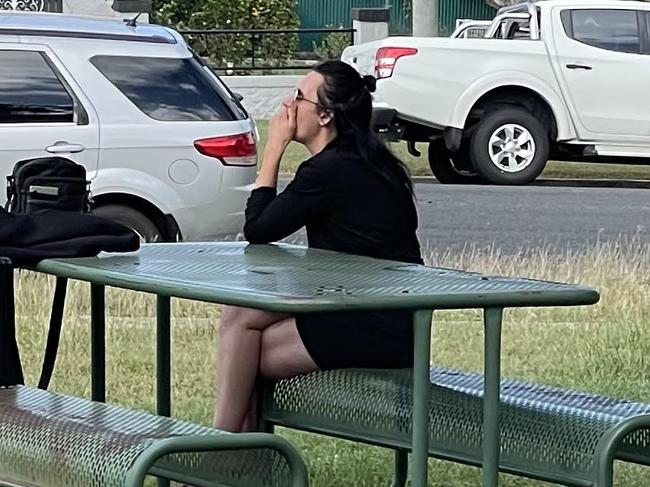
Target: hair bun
{"type": "Point", "coordinates": [370, 82]}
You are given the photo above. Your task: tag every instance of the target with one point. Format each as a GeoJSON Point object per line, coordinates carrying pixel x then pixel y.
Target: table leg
{"type": "Point", "coordinates": [163, 361]}
{"type": "Point", "coordinates": [97, 343]}
{"type": "Point", "coordinates": [163, 356]}
{"type": "Point", "coordinates": [421, 387]}
{"type": "Point", "coordinates": [492, 387]}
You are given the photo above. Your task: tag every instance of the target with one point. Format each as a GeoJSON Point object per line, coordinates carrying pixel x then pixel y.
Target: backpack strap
{"type": "Point", "coordinates": [11, 372]}
{"type": "Point", "coordinates": [54, 333]}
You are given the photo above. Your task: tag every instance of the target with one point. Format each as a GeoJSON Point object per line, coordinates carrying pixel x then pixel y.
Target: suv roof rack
{"type": "Point", "coordinates": [87, 35]}
{"type": "Point", "coordinates": [69, 26]}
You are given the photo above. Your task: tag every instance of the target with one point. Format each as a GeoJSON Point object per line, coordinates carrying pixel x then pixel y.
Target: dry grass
{"type": "Point", "coordinates": [602, 348]}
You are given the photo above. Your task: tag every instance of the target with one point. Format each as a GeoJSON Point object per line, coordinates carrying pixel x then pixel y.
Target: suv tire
{"type": "Point", "coordinates": [135, 220]}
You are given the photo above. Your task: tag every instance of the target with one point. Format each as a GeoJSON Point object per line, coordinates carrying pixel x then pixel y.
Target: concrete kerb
{"type": "Point", "coordinates": [570, 182]}
{"type": "Point", "coordinates": [559, 182]}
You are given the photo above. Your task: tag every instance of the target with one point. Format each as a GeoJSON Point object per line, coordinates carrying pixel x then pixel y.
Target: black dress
{"type": "Point", "coordinates": [347, 207]}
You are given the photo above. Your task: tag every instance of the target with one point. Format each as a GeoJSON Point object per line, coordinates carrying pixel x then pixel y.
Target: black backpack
{"type": "Point", "coordinates": [48, 183]}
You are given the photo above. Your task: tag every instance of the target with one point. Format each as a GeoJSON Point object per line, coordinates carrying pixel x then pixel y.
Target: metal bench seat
{"type": "Point", "coordinates": [54, 440]}
{"type": "Point", "coordinates": [547, 433]}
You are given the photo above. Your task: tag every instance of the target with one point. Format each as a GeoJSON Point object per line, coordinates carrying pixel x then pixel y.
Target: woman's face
{"type": "Point", "coordinates": [311, 117]}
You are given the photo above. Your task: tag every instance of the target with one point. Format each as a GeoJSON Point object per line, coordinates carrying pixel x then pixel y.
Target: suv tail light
{"type": "Point", "coordinates": [387, 57]}
{"type": "Point", "coordinates": [231, 150]}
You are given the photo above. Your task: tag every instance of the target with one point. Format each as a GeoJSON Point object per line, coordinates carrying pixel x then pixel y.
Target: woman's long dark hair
{"type": "Point", "coordinates": [347, 96]}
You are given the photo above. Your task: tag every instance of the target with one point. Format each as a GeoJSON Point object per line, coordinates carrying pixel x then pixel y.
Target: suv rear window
{"type": "Point", "coordinates": [166, 89]}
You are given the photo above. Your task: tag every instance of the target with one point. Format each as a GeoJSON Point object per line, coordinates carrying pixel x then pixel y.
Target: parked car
{"type": "Point", "coordinates": [565, 79]}
{"type": "Point", "coordinates": [168, 148]}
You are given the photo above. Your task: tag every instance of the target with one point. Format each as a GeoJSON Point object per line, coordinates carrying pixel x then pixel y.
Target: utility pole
{"type": "Point", "coordinates": [425, 18]}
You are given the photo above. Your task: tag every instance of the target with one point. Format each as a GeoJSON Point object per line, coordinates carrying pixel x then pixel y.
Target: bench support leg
{"type": "Point", "coordinates": [492, 385]}
{"type": "Point", "coordinates": [421, 389]}
{"type": "Point", "coordinates": [144, 464]}
{"type": "Point", "coordinates": [607, 447]}
{"type": "Point", "coordinates": [97, 343]}
{"type": "Point", "coordinates": [401, 468]}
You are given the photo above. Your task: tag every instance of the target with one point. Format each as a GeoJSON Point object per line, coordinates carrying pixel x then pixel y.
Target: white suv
{"type": "Point", "coordinates": [168, 148]}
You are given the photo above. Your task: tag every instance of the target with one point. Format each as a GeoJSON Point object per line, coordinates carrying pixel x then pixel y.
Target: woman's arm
{"type": "Point", "coordinates": [268, 175]}
{"type": "Point", "coordinates": [270, 217]}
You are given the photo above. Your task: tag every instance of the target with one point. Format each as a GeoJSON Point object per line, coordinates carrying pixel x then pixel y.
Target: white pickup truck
{"type": "Point", "coordinates": [565, 79]}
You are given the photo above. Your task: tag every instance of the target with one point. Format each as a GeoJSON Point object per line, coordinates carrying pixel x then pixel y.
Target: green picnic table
{"type": "Point", "coordinates": [293, 279]}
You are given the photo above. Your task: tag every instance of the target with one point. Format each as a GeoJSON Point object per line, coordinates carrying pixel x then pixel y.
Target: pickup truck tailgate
{"type": "Point", "coordinates": [362, 57]}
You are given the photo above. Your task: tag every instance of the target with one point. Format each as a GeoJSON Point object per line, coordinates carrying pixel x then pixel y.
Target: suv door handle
{"type": "Point", "coordinates": [579, 66]}
{"type": "Point", "coordinates": [65, 148]}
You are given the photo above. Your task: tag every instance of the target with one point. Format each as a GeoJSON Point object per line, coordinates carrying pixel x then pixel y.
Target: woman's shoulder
{"type": "Point", "coordinates": [324, 161]}
{"type": "Point", "coordinates": [317, 171]}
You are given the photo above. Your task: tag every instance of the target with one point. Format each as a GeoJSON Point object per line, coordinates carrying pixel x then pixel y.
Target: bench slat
{"type": "Point", "coordinates": [546, 433]}
{"type": "Point", "coordinates": [55, 440]}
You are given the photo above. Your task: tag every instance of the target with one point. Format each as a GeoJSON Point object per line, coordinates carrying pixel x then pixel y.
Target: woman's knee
{"type": "Point", "coordinates": [231, 316]}
{"type": "Point", "coordinates": [246, 318]}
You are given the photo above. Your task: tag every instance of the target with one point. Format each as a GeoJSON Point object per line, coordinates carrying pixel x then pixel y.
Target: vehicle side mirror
{"type": "Point", "coordinates": [238, 97]}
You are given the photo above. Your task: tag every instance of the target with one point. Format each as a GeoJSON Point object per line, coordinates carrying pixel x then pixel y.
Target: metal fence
{"type": "Point", "coordinates": [316, 13]}
{"type": "Point", "coordinates": [451, 10]}
{"type": "Point", "coordinates": [337, 13]}
{"type": "Point", "coordinates": [255, 54]}
{"type": "Point", "coordinates": [32, 5]}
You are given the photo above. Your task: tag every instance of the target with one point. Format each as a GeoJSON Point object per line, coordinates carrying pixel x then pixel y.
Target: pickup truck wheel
{"type": "Point", "coordinates": [450, 168]}
{"type": "Point", "coordinates": [136, 221]}
{"type": "Point", "coordinates": [510, 146]}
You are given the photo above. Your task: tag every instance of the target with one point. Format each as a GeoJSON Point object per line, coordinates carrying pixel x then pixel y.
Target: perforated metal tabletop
{"type": "Point", "coordinates": [296, 279]}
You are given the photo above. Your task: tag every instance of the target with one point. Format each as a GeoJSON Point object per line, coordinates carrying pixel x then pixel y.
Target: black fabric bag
{"type": "Point", "coordinates": [41, 184]}
{"type": "Point", "coordinates": [47, 224]}
{"type": "Point", "coordinates": [47, 183]}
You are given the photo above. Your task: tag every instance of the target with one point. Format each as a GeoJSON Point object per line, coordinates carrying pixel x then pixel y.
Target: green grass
{"type": "Point", "coordinates": [419, 166]}
{"type": "Point", "coordinates": [602, 348]}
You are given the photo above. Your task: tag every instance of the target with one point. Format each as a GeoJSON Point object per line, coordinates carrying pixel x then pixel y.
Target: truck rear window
{"type": "Point", "coordinates": [166, 89]}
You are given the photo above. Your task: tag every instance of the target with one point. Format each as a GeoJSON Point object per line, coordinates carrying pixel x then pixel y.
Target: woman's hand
{"type": "Point", "coordinates": [282, 128]}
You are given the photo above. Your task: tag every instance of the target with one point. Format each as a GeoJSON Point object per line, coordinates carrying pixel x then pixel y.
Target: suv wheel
{"type": "Point", "coordinates": [450, 168]}
{"type": "Point", "coordinates": [510, 146]}
{"type": "Point", "coordinates": [135, 220]}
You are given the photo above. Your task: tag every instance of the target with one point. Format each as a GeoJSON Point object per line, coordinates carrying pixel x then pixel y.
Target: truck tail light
{"type": "Point", "coordinates": [387, 57]}
{"type": "Point", "coordinates": [231, 150]}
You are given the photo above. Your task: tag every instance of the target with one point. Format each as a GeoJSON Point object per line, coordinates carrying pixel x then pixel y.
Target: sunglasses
{"type": "Point", "coordinates": [298, 96]}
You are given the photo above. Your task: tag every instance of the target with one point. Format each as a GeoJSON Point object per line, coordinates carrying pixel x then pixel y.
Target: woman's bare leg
{"type": "Point", "coordinates": [283, 355]}
{"type": "Point", "coordinates": [250, 424]}
{"type": "Point", "coordinates": [238, 362]}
